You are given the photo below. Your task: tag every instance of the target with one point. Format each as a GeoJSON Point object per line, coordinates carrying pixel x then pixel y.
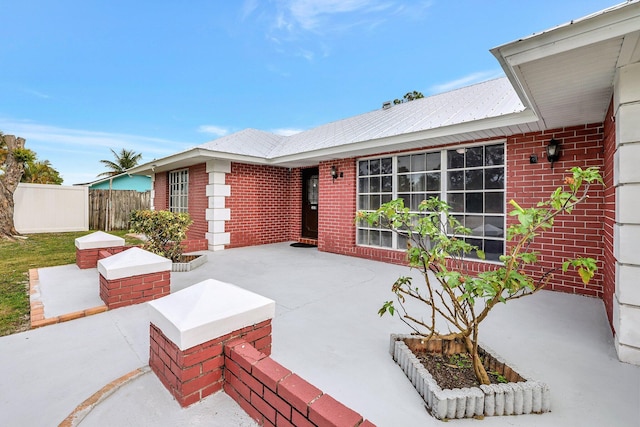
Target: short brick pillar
{"type": "Point", "coordinates": [132, 277]}
{"type": "Point", "coordinates": [88, 247]}
{"type": "Point", "coordinates": [190, 328]}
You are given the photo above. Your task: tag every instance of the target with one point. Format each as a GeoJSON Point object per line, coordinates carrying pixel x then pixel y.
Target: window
{"type": "Point", "coordinates": [471, 180]}
{"type": "Point", "coordinates": [375, 187]}
{"type": "Point", "coordinates": [179, 191]}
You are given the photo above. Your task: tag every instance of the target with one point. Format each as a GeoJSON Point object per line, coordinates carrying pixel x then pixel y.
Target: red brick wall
{"type": "Point", "coordinates": [577, 235]}
{"type": "Point", "coordinates": [161, 192]}
{"type": "Point", "coordinates": [198, 202]}
{"type": "Point", "coordinates": [336, 207]}
{"type": "Point", "coordinates": [274, 396]}
{"type": "Point", "coordinates": [260, 205]}
{"type": "Point", "coordinates": [131, 290]}
{"type": "Point", "coordinates": [195, 373]}
{"type": "Point", "coordinates": [609, 215]}
{"type": "Point", "coordinates": [580, 235]}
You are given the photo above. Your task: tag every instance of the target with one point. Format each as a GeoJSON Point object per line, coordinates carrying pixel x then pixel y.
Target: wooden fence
{"type": "Point", "coordinates": [110, 209]}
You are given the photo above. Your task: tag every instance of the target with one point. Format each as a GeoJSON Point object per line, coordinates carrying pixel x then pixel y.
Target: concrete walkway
{"type": "Point", "coordinates": [326, 330]}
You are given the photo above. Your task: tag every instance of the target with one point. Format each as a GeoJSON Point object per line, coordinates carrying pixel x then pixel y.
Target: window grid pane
{"type": "Point", "coordinates": [474, 187]}
{"type": "Point", "coordinates": [179, 191]}
{"type": "Point", "coordinates": [375, 187]}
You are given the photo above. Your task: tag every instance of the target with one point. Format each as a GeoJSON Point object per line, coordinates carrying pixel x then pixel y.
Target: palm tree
{"type": "Point", "coordinates": [124, 160]}
{"type": "Point", "coordinates": [41, 172]}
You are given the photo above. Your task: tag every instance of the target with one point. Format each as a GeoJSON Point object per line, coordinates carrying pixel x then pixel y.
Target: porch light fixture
{"type": "Point", "coordinates": [334, 173]}
{"type": "Point", "coordinates": [553, 151]}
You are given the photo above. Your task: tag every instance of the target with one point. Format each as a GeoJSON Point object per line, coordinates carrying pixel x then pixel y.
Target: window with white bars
{"type": "Point", "coordinates": [471, 180]}
{"type": "Point", "coordinates": [179, 191]}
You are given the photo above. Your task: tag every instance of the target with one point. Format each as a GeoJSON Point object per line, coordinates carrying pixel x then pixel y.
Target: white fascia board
{"type": "Point", "coordinates": [394, 143]}
{"type": "Point", "coordinates": [191, 157]}
{"type": "Point", "coordinates": [611, 23]}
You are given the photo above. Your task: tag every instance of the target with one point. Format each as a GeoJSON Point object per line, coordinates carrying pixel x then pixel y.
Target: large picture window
{"type": "Point", "coordinates": [471, 180]}
{"type": "Point", "coordinates": [179, 191]}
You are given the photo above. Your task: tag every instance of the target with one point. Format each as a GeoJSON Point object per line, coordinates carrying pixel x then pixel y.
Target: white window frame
{"type": "Point", "coordinates": [179, 190]}
{"type": "Point", "coordinates": [443, 187]}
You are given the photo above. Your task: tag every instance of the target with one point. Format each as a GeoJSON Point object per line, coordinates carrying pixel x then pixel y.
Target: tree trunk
{"type": "Point", "coordinates": [478, 367]}
{"type": "Point", "coordinates": [9, 180]}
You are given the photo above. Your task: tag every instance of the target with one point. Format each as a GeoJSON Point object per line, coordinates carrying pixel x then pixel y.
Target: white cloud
{"type": "Point", "coordinates": [36, 93]}
{"type": "Point", "coordinates": [248, 7]}
{"type": "Point", "coordinates": [286, 131]}
{"type": "Point", "coordinates": [308, 14]}
{"type": "Point", "coordinates": [60, 138]}
{"type": "Point", "coordinates": [467, 80]}
{"type": "Point", "coordinates": [213, 130]}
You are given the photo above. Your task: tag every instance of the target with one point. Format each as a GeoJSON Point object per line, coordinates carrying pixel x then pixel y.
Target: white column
{"type": "Point", "coordinates": [217, 214]}
{"type": "Point", "coordinates": [626, 301]}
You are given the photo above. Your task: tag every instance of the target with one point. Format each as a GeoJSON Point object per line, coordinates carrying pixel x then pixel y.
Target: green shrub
{"type": "Point", "coordinates": [164, 231]}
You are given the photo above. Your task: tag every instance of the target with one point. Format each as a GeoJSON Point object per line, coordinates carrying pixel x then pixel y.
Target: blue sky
{"type": "Point", "coordinates": [79, 77]}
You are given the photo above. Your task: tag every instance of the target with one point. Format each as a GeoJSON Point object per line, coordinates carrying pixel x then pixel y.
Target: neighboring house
{"type": "Point", "coordinates": [578, 84]}
{"type": "Point", "coordinates": [123, 181]}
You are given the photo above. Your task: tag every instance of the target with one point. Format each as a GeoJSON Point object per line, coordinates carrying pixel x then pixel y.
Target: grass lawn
{"type": "Point", "coordinates": [16, 258]}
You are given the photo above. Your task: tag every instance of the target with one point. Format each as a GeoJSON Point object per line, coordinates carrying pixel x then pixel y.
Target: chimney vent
{"type": "Point", "coordinates": [386, 105]}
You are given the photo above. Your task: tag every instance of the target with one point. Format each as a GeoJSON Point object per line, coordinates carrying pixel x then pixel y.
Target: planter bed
{"type": "Point", "coordinates": [519, 396]}
{"type": "Point", "coordinates": [190, 262]}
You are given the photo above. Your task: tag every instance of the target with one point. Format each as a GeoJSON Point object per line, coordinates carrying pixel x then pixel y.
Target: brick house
{"type": "Point", "coordinates": [476, 147]}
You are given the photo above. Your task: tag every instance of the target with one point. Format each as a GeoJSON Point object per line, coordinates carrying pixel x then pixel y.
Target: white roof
{"type": "Point", "coordinates": [485, 100]}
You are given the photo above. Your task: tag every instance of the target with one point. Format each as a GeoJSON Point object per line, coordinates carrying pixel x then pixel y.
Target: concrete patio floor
{"type": "Point", "coordinates": [326, 330]}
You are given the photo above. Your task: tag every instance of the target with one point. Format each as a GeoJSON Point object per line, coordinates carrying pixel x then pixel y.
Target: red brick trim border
{"type": "Point", "coordinates": [37, 307]}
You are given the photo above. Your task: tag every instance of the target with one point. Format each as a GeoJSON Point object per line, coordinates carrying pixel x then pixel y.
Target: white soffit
{"type": "Point", "coordinates": [572, 88]}
{"type": "Point", "coordinates": [566, 74]}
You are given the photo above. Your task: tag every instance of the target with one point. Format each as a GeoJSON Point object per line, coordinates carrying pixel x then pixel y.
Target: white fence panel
{"type": "Point", "coordinates": [44, 208]}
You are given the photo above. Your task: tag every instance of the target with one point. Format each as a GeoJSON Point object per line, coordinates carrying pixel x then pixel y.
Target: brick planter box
{"type": "Point", "coordinates": [189, 329]}
{"type": "Point", "coordinates": [213, 336]}
{"type": "Point", "coordinates": [513, 398]}
{"type": "Point", "coordinates": [88, 248]}
{"type": "Point", "coordinates": [132, 277]}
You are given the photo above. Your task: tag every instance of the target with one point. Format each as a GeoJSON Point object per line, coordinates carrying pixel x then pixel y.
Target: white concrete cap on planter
{"type": "Point", "coordinates": [132, 262]}
{"type": "Point", "coordinates": [97, 240]}
{"type": "Point", "coordinates": [208, 310]}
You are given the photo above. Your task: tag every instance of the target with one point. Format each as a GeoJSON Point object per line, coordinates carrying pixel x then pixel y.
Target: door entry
{"type": "Point", "coordinates": [310, 203]}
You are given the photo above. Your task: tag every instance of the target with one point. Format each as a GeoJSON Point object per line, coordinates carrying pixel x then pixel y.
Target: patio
{"type": "Point", "coordinates": [326, 330]}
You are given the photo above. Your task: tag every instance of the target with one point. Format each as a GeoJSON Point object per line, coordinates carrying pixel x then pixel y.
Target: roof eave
{"type": "Point", "coordinates": [427, 138]}
{"type": "Point", "coordinates": [616, 21]}
{"type": "Point", "coordinates": [189, 158]}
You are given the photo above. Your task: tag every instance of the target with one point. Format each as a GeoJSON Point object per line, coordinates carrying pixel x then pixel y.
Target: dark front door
{"type": "Point", "coordinates": [310, 203]}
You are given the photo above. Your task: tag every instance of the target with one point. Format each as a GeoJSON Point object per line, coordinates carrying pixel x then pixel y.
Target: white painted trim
{"type": "Point", "coordinates": [216, 213]}
{"type": "Point", "coordinates": [206, 311]}
{"type": "Point", "coordinates": [98, 240]}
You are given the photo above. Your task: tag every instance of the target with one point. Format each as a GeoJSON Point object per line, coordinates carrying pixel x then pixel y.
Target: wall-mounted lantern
{"type": "Point", "coordinates": [335, 174]}
{"type": "Point", "coordinates": [553, 151]}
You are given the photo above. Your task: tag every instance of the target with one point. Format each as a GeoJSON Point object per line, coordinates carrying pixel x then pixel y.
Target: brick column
{"type": "Point", "coordinates": [190, 328]}
{"type": "Point", "coordinates": [88, 247]}
{"type": "Point", "coordinates": [132, 277]}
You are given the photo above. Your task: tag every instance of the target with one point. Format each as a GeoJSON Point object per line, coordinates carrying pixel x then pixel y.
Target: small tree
{"type": "Point", "coordinates": [13, 157]}
{"type": "Point", "coordinates": [41, 172]}
{"type": "Point", "coordinates": [408, 97]}
{"type": "Point", "coordinates": [163, 230]}
{"type": "Point", "coordinates": [450, 291]}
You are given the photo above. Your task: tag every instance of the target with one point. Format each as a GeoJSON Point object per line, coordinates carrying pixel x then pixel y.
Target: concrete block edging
{"type": "Point", "coordinates": [487, 400]}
